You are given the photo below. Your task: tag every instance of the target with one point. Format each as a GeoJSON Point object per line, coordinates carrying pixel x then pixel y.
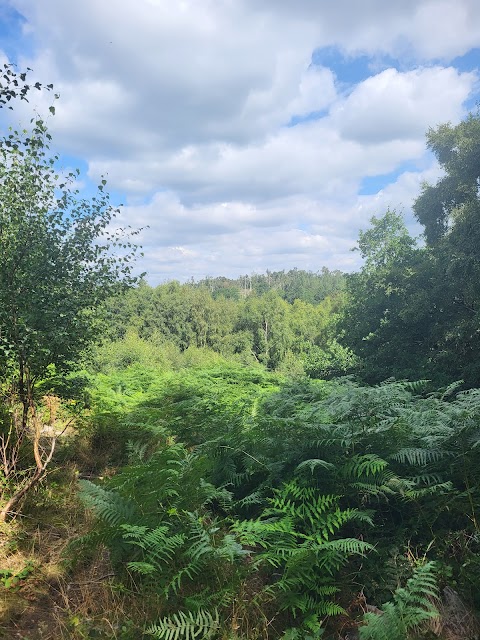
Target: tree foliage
{"type": "Point", "coordinates": [457, 149]}
{"type": "Point", "coordinates": [61, 258]}
{"type": "Point", "coordinates": [413, 310]}
{"type": "Point", "coordinates": [58, 263]}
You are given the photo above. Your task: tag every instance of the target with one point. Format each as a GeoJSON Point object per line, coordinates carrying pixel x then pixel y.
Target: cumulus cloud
{"type": "Point", "coordinates": [238, 151]}
{"type": "Point", "coordinates": [416, 30]}
{"type": "Point", "coordinates": [395, 105]}
{"type": "Point", "coordinates": [234, 238]}
{"type": "Point", "coordinates": [372, 130]}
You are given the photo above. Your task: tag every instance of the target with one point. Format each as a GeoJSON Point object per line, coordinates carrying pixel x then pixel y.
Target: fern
{"type": "Point", "coordinates": [186, 626]}
{"type": "Point", "coordinates": [365, 465]}
{"type": "Point", "coordinates": [137, 451]}
{"type": "Point", "coordinates": [158, 545]}
{"type": "Point", "coordinates": [315, 463]}
{"type": "Point", "coordinates": [176, 581]}
{"type": "Point", "coordinates": [433, 489]}
{"type": "Point", "coordinates": [282, 456]}
{"type": "Point", "coordinates": [417, 457]}
{"type": "Point", "coordinates": [111, 507]}
{"type": "Point", "coordinates": [411, 607]}
{"type": "Point", "coordinates": [254, 498]}
{"type": "Point", "coordinates": [418, 386]}
{"type": "Point", "coordinates": [150, 533]}
{"type": "Point", "coordinates": [293, 537]}
{"type": "Point", "coordinates": [143, 568]}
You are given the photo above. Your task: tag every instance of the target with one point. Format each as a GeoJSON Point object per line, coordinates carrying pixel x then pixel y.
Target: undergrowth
{"type": "Point", "coordinates": [233, 504]}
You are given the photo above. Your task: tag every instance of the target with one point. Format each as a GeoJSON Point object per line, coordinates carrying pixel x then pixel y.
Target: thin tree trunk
{"type": "Point", "coordinates": [34, 480]}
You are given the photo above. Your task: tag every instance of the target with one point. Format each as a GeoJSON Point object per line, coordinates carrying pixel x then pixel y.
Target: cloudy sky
{"type": "Point", "coordinates": [250, 134]}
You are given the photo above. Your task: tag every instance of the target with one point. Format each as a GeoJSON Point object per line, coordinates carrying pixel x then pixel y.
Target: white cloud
{"type": "Point", "coordinates": [418, 30]}
{"type": "Point", "coordinates": [446, 28]}
{"type": "Point", "coordinates": [186, 106]}
{"type": "Point", "coordinates": [373, 130]}
{"type": "Point", "coordinates": [234, 238]}
{"type": "Point", "coordinates": [394, 105]}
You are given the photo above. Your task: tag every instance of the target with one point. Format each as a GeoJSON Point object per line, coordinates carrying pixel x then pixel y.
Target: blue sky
{"type": "Point", "coordinates": [11, 24]}
{"type": "Point", "coordinates": [249, 135]}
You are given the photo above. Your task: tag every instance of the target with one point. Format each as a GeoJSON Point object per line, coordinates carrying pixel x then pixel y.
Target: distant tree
{"type": "Point", "coordinates": [229, 293]}
{"type": "Point", "coordinates": [292, 285]}
{"type": "Point", "coordinates": [311, 287]}
{"type": "Point", "coordinates": [266, 318]}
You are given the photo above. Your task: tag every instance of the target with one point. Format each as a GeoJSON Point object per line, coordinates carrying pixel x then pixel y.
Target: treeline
{"type": "Point", "coordinates": [273, 324]}
{"type": "Point", "coordinates": [296, 284]}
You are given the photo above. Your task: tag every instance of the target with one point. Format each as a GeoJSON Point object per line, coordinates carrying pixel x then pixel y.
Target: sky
{"type": "Point", "coordinates": [246, 135]}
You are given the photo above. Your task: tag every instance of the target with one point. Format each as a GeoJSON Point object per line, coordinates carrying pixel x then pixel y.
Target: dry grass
{"type": "Point", "coordinates": [456, 621]}
{"type": "Point", "coordinates": [58, 600]}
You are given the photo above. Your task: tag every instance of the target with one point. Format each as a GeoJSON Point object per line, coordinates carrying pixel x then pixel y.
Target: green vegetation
{"type": "Point", "coordinates": [57, 268]}
{"type": "Point", "coordinates": [254, 328]}
{"type": "Point", "coordinates": [412, 311]}
{"type": "Point", "coordinates": [411, 607]}
{"type": "Point", "coordinates": [288, 456]}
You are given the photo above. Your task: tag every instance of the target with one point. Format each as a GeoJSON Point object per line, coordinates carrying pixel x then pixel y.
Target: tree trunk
{"type": "Point", "coordinates": [34, 480]}
{"type": "Point", "coordinates": [42, 459]}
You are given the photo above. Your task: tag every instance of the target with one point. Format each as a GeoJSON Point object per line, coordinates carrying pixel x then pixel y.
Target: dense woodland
{"type": "Point", "coordinates": [289, 455]}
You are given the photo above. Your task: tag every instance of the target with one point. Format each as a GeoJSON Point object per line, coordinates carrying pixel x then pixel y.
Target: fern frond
{"type": "Point", "coordinates": [451, 389]}
{"type": "Point", "coordinates": [373, 490]}
{"type": "Point", "coordinates": [109, 506]}
{"type": "Point", "coordinates": [433, 489]}
{"type": "Point", "coordinates": [367, 465]}
{"type": "Point", "coordinates": [417, 457]}
{"type": "Point", "coordinates": [411, 607]}
{"type": "Point", "coordinates": [143, 568]}
{"type": "Point", "coordinates": [256, 497]}
{"type": "Point", "coordinates": [221, 495]}
{"type": "Point", "coordinates": [186, 626]}
{"type": "Point", "coordinates": [191, 570]}
{"type": "Point", "coordinates": [350, 546]}
{"type": "Point", "coordinates": [361, 515]}
{"type": "Point", "coordinates": [201, 543]}
{"type": "Point", "coordinates": [137, 451]}
{"type": "Point", "coordinates": [158, 545]}
{"type": "Point", "coordinates": [331, 522]}
{"type": "Point", "coordinates": [230, 549]}
{"type": "Point", "coordinates": [417, 386]}
{"type": "Point", "coordinates": [313, 464]}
